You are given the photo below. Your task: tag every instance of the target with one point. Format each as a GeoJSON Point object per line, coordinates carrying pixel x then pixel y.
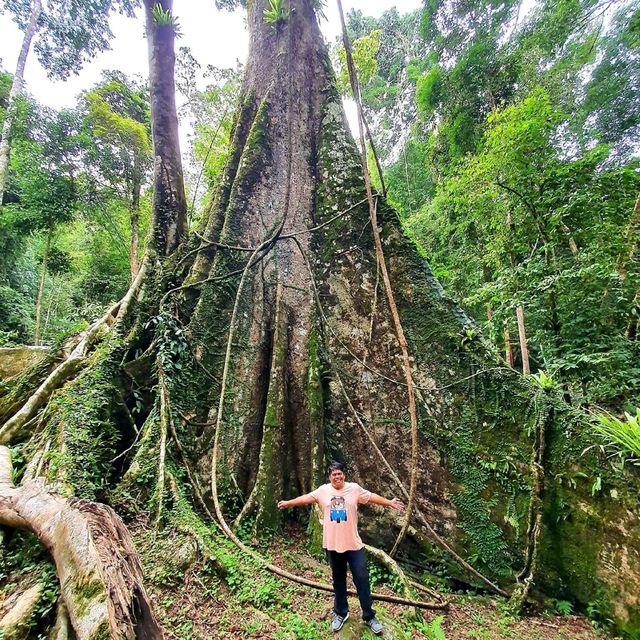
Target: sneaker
{"type": "Point", "coordinates": [375, 625]}
{"type": "Point", "coordinates": [338, 623]}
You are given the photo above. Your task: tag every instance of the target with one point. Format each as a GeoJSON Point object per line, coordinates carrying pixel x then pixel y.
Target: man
{"type": "Point", "coordinates": [339, 502]}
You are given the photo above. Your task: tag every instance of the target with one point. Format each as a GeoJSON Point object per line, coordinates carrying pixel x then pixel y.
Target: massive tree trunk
{"type": "Point", "coordinates": [270, 342]}
{"type": "Point", "coordinates": [16, 91]}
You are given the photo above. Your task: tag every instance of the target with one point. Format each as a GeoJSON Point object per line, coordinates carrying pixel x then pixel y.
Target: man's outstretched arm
{"type": "Point", "coordinates": [394, 503]}
{"type": "Point", "coordinates": [300, 501]}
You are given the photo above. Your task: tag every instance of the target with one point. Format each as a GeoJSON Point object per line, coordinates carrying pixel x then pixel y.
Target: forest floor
{"type": "Point", "coordinates": [196, 603]}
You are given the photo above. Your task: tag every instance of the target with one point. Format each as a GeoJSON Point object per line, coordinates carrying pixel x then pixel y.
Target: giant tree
{"type": "Point", "coordinates": [267, 343]}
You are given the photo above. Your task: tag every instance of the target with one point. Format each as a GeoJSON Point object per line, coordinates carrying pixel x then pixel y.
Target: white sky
{"type": "Point", "coordinates": [215, 37]}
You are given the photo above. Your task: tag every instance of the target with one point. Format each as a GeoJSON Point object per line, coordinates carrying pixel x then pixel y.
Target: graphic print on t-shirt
{"type": "Point", "coordinates": [338, 510]}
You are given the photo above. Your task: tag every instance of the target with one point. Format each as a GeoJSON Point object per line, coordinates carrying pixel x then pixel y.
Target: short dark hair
{"type": "Point", "coordinates": [335, 466]}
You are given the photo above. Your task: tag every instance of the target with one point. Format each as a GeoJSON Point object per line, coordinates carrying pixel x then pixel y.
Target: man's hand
{"type": "Point", "coordinates": [283, 504]}
{"type": "Point", "coordinates": [396, 504]}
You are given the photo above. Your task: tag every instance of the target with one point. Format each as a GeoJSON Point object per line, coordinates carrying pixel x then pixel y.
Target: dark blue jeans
{"type": "Point", "coordinates": [357, 561]}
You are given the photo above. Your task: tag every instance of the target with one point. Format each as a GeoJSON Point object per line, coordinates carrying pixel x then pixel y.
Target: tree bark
{"type": "Point", "coordinates": [43, 277]}
{"type": "Point", "coordinates": [134, 216]}
{"type": "Point", "coordinates": [382, 265]}
{"type": "Point", "coordinates": [16, 91]}
{"type": "Point", "coordinates": [508, 349]}
{"type": "Point", "coordinates": [169, 200]}
{"type": "Point", "coordinates": [522, 333]}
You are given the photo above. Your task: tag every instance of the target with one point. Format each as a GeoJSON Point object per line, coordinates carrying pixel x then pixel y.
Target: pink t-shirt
{"type": "Point", "coordinates": [340, 515]}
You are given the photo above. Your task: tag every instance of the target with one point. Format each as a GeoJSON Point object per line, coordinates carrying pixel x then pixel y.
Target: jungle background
{"type": "Point", "coordinates": [508, 141]}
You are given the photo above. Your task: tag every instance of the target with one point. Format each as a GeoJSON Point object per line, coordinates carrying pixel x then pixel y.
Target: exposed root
{"type": "Point", "coordinates": [165, 420]}
{"type": "Point", "coordinates": [193, 478]}
{"type": "Point", "coordinates": [62, 628]}
{"type": "Point", "coordinates": [99, 570]}
{"type": "Point", "coordinates": [395, 568]}
{"type": "Point", "coordinates": [15, 623]}
{"type": "Point", "coordinates": [143, 454]}
{"type": "Point", "coordinates": [421, 587]}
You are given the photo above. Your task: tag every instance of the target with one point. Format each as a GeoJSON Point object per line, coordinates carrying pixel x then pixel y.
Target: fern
{"type": "Point", "coordinates": [544, 381]}
{"type": "Point", "coordinates": [433, 630]}
{"type": "Point", "coordinates": [623, 436]}
{"type": "Point", "coordinates": [275, 14]}
{"type": "Point", "coordinates": [164, 18]}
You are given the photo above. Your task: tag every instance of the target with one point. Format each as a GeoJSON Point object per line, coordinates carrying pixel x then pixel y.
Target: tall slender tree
{"type": "Point", "coordinates": [118, 119]}
{"type": "Point", "coordinates": [16, 90]}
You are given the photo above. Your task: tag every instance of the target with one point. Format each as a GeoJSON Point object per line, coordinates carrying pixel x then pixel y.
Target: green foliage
{"type": "Point", "coordinates": [432, 630]}
{"type": "Point", "coordinates": [77, 175]}
{"type": "Point", "coordinates": [230, 5]}
{"type": "Point", "coordinates": [621, 435]}
{"type": "Point", "coordinates": [23, 557]}
{"type": "Point", "coordinates": [599, 612]}
{"type": "Point", "coordinates": [70, 33]}
{"type": "Point", "coordinates": [5, 87]}
{"type": "Point", "coordinates": [545, 382]}
{"type": "Point", "coordinates": [165, 18]}
{"type": "Point", "coordinates": [275, 14]}
{"type": "Point", "coordinates": [15, 316]}
{"type": "Point", "coordinates": [301, 629]}
{"type": "Point", "coordinates": [504, 182]}
{"type": "Point", "coordinates": [521, 247]}
{"type": "Point", "coordinates": [211, 111]}
{"type": "Point", "coordinates": [364, 51]}
{"type": "Point", "coordinates": [172, 342]}
{"type": "Point", "coordinates": [611, 109]}
{"type": "Point", "coordinates": [563, 607]}
{"type": "Point", "coordinates": [380, 61]}
{"type": "Point", "coordinates": [428, 90]}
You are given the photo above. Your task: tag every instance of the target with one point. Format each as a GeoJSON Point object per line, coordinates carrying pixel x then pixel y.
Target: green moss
{"type": "Point", "coordinates": [86, 592]}
{"type": "Point", "coordinates": [82, 419]}
{"type": "Point", "coordinates": [268, 487]}
{"type": "Point", "coordinates": [103, 632]}
{"type": "Point", "coordinates": [136, 491]}
{"type": "Point", "coordinates": [314, 536]}
{"type": "Point", "coordinates": [315, 400]}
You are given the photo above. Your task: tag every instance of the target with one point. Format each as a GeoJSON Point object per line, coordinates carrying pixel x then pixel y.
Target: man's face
{"type": "Point", "coordinates": [336, 478]}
